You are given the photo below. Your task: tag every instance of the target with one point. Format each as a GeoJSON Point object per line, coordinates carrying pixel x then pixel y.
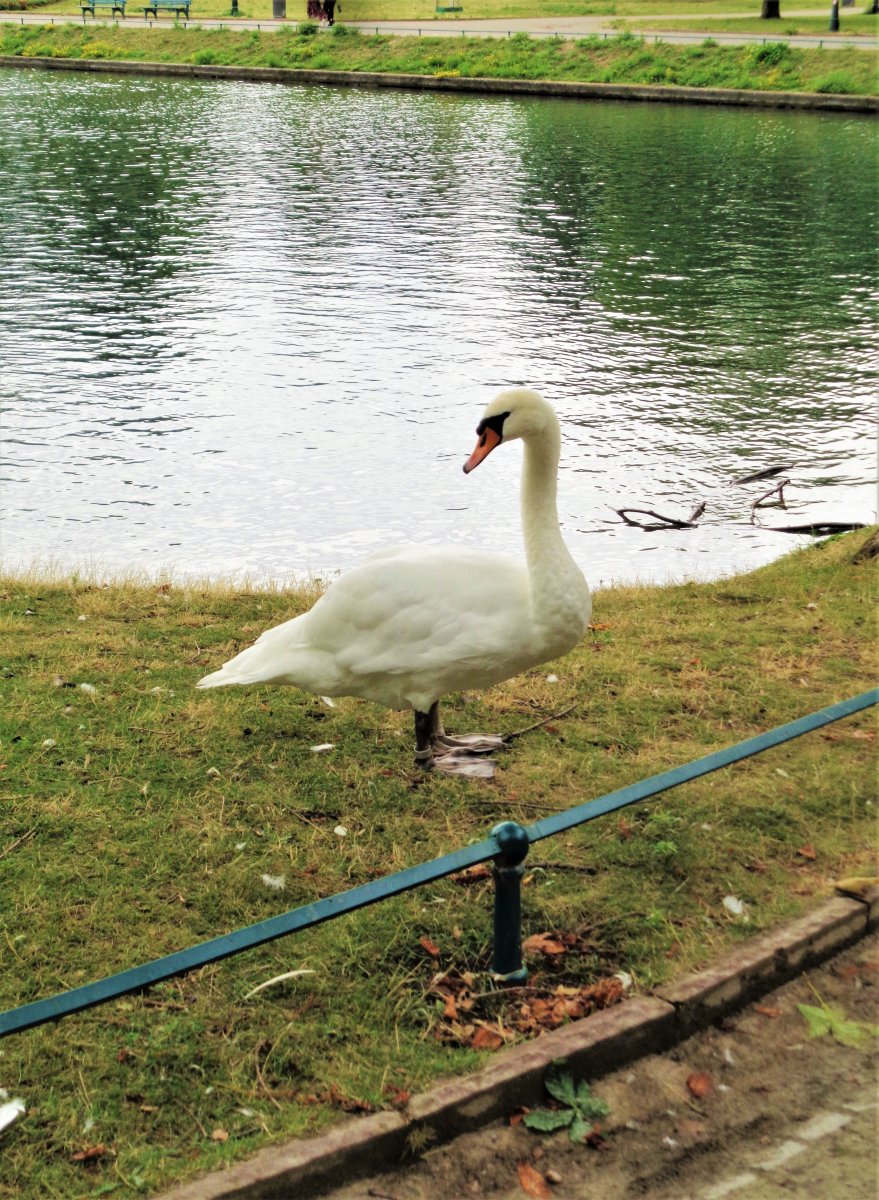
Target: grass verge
{"type": "Point", "coordinates": [852, 24]}
{"type": "Point", "coordinates": [425, 10]}
{"type": "Point", "coordinates": [624, 59]}
{"type": "Point", "coordinates": [138, 816]}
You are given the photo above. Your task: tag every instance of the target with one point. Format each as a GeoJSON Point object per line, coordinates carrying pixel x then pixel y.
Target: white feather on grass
{"type": "Point", "coordinates": [277, 979]}
{"type": "Point", "coordinates": [10, 1112]}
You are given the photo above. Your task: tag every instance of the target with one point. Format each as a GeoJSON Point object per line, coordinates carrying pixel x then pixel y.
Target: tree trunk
{"type": "Point", "coordinates": [771, 9]}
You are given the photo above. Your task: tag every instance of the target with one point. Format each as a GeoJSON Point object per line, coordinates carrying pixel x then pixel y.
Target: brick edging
{"type": "Point", "coordinates": [593, 1046]}
{"type": "Point", "coordinates": [664, 93]}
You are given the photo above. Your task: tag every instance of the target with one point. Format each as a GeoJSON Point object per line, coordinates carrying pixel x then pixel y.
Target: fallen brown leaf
{"type": "Point", "coordinates": [429, 946]}
{"type": "Point", "coordinates": [90, 1154]}
{"type": "Point", "coordinates": [766, 1010]}
{"type": "Point", "coordinates": [542, 943]}
{"type": "Point", "coordinates": [532, 1182]}
{"type": "Point", "coordinates": [700, 1084]}
{"type": "Point", "coordinates": [219, 1135]}
{"type": "Point", "coordinates": [472, 874]}
{"type": "Point", "coordinates": [807, 852]}
{"type": "Point", "coordinates": [486, 1039]}
{"type": "Point", "coordinates": [397, 1097]}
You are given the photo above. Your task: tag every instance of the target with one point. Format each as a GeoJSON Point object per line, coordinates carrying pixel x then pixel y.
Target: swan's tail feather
{"type": "Point", "coordinates": [250, 666]}
{"type": "Point", "coordinates": [221, 678]}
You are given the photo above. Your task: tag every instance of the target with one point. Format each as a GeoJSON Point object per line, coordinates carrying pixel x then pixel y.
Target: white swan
{"type": "Point", "coordinates": [416, 622]}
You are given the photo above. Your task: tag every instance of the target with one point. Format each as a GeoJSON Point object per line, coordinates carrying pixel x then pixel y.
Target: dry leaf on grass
{"type": "Point", "coordinates": [397, 1097]}
{"type": "Point", "coordinates": [90, 1154]}
{"type": "Point", "coordinates": [431, 948]}
{"type": "Point", "coordinates": [543, 943]}
{"type": "Point", "coordinates": [487, 1038]}
{"type": "Point", "coordinates": [476, 874]}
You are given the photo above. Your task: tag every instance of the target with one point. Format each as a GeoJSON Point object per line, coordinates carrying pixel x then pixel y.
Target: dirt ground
{"type": "Point", "coordinates": [753, 1108]}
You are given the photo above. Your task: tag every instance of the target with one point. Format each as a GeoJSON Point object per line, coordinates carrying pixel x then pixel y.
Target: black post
{"type": "Point", "coordinates": [508, 871]}
{"type": "Point", "coordinates": [279, 10]}
{"type": "Point", "coordinates": [834, 17]}
{"type": "Point", "coordinates": [233, 11]}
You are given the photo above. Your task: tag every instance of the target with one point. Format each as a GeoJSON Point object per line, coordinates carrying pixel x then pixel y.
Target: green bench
{"type": "Point", "coordinates": [116, 6]}
{"type": "Point", "coordinates": [175, 6]}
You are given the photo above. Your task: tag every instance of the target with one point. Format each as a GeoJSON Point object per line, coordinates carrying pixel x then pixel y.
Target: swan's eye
{"type": "Point", "coordinates": [495, 424]}
{"type": "Point", "coordinates": [483, 439]}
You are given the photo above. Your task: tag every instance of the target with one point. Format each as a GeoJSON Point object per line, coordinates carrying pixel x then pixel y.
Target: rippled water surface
{"type": "Point", "coordinates": [251, 328]}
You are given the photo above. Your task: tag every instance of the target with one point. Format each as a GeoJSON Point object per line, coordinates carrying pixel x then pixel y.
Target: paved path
{"type": "Point", "coordinates": [567, 27]}
{"type": "Point", "coordinates": [749, 1109]}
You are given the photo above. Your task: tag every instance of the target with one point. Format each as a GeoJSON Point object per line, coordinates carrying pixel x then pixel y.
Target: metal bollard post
{"type": "Point", "coordinates": [507, 870]}
{"type": "Point", "coordinates": [834, 17]}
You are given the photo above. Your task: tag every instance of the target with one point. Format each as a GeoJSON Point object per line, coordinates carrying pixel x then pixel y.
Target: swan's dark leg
{"type": "Point", "coordinates": [434, 755]}
{"type": "Point", "coordinates": [423, 748]}
{"type": "Point", "coordinates": [471, 743]}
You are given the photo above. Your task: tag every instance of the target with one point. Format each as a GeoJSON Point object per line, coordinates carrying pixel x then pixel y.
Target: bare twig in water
{"type": "Point", "coordinates": [662, 521]}
{"type": "Point", "coordinates": [818, 528]}
{"type": "Point", "coordinates": [778, 490]}
{"type": "Point", "coordinates": [766, 473]}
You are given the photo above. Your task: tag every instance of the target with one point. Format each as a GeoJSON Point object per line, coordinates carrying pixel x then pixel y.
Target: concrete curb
{"type": "Point", "coordinates": [592, 1046]}
{"type": "Point", "coordinates": [528, 87]}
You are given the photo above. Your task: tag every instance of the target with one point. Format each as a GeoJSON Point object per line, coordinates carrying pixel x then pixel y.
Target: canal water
{"type": "Point", "coordinates": [250, 329]}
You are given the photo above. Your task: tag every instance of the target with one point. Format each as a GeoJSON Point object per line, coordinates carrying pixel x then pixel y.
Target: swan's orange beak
{"type": "Point", "coordinates": [487, 442]}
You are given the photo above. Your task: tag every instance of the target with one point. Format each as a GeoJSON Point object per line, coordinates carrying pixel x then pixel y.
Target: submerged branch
{"type": "Point", "coordinates": [778, 490]}
{"type": "Point", "coordinates": [766, 473]}
{"type": "Point", "coordinates": [663, 522]}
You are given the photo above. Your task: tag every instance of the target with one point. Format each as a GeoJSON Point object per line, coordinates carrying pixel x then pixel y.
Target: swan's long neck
{"type": "Point", "coordinates": [557, 584]}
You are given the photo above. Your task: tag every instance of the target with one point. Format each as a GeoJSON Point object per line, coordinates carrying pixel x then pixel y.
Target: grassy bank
{"type": "Point", "coordinates": [138, 816]}
{"type": "Point", "coordinates": [625, 59]}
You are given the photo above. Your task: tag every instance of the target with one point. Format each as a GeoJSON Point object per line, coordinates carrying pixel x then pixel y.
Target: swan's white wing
{"type": "Point", "coordinates": [426, 613]}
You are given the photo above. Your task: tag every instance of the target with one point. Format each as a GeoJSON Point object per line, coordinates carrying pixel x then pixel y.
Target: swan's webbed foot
{"type": "Point", "coordinates": [469, 743]}
{"type": "Point", "coordinates": [436, 751]}
{"type": "Point", "coordinates": [452, 762]}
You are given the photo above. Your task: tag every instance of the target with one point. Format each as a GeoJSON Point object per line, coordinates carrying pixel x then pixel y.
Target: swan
{"type": "Point", "coordinates": [414, 622]}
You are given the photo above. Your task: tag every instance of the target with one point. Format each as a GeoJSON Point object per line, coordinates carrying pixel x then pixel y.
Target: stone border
{"type": "Point", "coordinates": [593, 1046]}
{"type": "Point", "coordinates": [516, 87]}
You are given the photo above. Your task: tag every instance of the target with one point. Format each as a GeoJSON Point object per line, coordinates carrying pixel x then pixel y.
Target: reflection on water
{"type": "Point", "coordinates": [248, 327]}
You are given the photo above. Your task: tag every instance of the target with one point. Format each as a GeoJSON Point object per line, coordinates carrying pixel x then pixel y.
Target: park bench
{"type": "Point", "coordinates": [175, 6]}
{"type": "Point", "coordinates": [115, 6]}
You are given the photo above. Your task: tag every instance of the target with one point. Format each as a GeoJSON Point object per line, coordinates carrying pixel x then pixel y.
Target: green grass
{"type": "Point", "coordinates": [625, 59]}
{"type": "Point", "coordinates": [425, 10]}
{"type": "Point", "coordinates": [140, 817]}
{"type": "Point", "coordinates": [852, 24]}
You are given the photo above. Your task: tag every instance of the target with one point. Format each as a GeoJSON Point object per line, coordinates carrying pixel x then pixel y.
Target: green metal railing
{"type": "Point", "coordinates": [507, 846]}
